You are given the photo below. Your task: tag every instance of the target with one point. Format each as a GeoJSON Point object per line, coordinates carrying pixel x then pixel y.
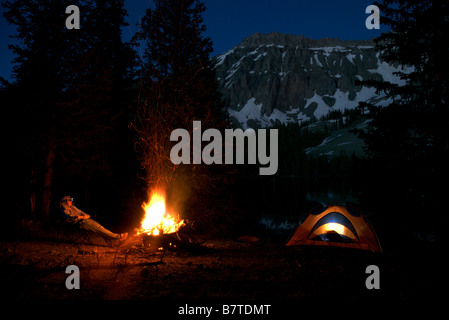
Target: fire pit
{"type": "Point", "coordinates": [157, 220]}
{"type": "Point", "coordinates": [159, 228]}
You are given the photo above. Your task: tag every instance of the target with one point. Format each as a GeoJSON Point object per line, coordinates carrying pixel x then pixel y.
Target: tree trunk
{"type": "Point", "coordinates": [33, 184]}
{"type": "Point", "coordinates": [48, 178]}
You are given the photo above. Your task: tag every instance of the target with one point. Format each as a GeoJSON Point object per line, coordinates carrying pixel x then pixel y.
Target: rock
{"type": "Point", "coordinates": [248, 238]}
{"type": "Point", "coordinates": [277, 73]}
{"type": "Point", "coordinates": [330, 101]}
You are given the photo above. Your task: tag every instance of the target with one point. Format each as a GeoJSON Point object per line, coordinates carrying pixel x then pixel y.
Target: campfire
{"type": "Point", "coordinates": [157, 220]}
{"type": "Point", "coordinates": [160, 229]}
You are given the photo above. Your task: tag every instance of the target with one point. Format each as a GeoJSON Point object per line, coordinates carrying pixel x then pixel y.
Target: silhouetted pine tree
{"type": "Point", "coordinates": [178, 86]}
{"type": "Point", "coordinates": [407, 141]}
{"type": "Point", "coordinates": [67, 92]}
{"type": "Point", "coordinates": [178, 83]}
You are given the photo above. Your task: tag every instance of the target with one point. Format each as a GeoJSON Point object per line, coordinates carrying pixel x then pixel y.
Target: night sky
{"type": "Point", "coordinates": [228, 22]}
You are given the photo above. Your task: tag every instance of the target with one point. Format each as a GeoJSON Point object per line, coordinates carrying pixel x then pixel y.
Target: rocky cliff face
{"type": "Point", "coordinates": [271, 78]}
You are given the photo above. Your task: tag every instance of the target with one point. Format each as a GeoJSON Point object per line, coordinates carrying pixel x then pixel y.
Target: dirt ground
{"type": "Point", "coordinates": [215, 270]}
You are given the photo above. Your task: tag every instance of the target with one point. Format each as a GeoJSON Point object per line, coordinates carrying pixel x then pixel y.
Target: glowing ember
{"type": "Point", "coordinates": [157, 219]}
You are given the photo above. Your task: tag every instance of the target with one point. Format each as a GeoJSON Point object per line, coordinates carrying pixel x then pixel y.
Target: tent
{"type": "Point", "coordinates": [341, 226]}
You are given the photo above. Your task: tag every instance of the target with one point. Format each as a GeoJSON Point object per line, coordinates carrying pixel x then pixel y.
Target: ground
{"type": "Point", "coordinates": [217, 270]}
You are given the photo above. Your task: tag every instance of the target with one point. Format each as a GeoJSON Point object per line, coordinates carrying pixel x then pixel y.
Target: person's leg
{"type": "Point", "coordinates": [92, 225]}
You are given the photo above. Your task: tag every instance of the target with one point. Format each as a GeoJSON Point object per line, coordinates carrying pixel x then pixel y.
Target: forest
{"type": "Point", "coordinates": [89, 117]}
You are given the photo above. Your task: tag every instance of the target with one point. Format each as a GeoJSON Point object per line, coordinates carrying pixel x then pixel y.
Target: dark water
{"type": "Point", "coordinates": [283, 202]}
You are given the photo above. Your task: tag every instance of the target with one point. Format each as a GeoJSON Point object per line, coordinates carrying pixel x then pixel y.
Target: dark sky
{"type": "Point", "coordinates": [228, 22]}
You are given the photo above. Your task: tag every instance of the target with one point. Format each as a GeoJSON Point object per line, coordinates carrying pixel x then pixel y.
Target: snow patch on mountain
{"type": "Point", "coordinates": [252, 112]}
{"type": "Point", "coordinates": [275, 78]}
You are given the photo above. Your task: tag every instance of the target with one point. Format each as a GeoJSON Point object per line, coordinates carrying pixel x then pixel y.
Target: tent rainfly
{"type": "Point", "coordinates": [341, 226]}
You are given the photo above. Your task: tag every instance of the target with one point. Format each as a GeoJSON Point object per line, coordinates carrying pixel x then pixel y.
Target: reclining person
{"type": "Point", "coordinates": [73, 215]}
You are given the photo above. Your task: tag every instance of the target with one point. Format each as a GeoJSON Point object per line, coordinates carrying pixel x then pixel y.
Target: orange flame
{"type": "Point", "coordinates": [157, 219]}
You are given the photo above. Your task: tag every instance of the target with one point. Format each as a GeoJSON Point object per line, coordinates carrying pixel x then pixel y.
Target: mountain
{"type": "Point", "coordinates": [277, 78]}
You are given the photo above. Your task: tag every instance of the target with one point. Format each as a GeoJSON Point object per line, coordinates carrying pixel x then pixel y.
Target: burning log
{"type": "Point", "coordinates": [160, 230]}
{"type": "Point", "coordinates": [161, 241]}
{"type": "Point", "coordinates": [157, 220]}
{"type": "Point", "coordinates": [180, 239]}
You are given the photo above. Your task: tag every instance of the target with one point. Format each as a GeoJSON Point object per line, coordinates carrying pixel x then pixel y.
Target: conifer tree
{"type": "Point", "coordinates": [67, 84]}
{"type": "Point", "coordinates": [178, 84]}
{"type": "Point", "coordinates": [407, 141]}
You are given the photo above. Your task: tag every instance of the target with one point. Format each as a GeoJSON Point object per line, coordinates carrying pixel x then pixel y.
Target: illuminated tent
{"type": "Point", "coordinates": [336, 226]}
